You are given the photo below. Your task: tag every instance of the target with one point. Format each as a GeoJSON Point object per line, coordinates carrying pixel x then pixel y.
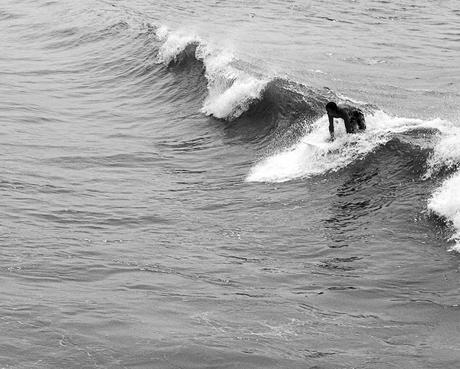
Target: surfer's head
{"type": "Point", "coordinates": [331, 107]}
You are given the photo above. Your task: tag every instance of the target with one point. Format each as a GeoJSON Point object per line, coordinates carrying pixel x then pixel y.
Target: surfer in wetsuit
{"type": "Point", "coordinates": [352, 117]}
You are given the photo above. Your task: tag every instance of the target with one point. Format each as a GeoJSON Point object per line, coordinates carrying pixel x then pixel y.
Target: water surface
{"type": "Point", "coordinates": [170, 198]}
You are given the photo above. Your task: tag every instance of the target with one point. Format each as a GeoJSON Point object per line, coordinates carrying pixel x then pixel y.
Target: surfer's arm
{"type": "Point", "coordinates": [331, 127]}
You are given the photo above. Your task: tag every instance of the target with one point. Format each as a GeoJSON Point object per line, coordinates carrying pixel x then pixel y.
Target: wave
{"type": "Point", "coordinates": [234, 92]}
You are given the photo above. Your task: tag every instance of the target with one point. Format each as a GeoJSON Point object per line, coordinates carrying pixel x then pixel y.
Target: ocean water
{"type": "Point", "coordinates": [170, 198]}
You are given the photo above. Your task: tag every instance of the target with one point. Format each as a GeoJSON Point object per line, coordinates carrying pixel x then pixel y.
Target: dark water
{"type": "Point", "coordinates": [169, 198]}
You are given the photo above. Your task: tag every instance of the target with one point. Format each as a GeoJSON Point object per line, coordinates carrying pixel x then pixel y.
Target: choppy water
{"type": "Point", "coordinates": [169, 198]}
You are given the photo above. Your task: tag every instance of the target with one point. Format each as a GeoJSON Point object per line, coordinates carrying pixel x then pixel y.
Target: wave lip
{"type": "Point", "coordinates": [231, 91]}
{"type": "Point", "coordinates": [230, 99]}
{"type": "Point", "coordinates": [173, 44]}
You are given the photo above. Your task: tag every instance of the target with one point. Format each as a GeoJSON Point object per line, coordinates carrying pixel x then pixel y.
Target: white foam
{"type": "Point", "coordinates": [162, 33]}
{"type": "Point", "coordinates": [446, 203]}
{"type": "Point", "coordinates": [314, 154]}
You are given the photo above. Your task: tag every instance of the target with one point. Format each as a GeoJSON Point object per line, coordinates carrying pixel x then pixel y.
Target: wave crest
{"type": "Point", "coordinates": [175, 45]}
{"type": "Point", "coordinates": [231, 91]}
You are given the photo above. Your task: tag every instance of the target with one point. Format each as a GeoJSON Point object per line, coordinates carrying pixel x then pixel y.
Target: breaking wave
{"type": "Point", "coordinates": [231, 91]}
{"type": "Point", "coordinates": [234, 92]}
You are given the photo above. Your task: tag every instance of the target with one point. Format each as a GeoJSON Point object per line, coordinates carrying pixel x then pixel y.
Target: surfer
{"type": "Point", "coordinates": [352, 117]}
